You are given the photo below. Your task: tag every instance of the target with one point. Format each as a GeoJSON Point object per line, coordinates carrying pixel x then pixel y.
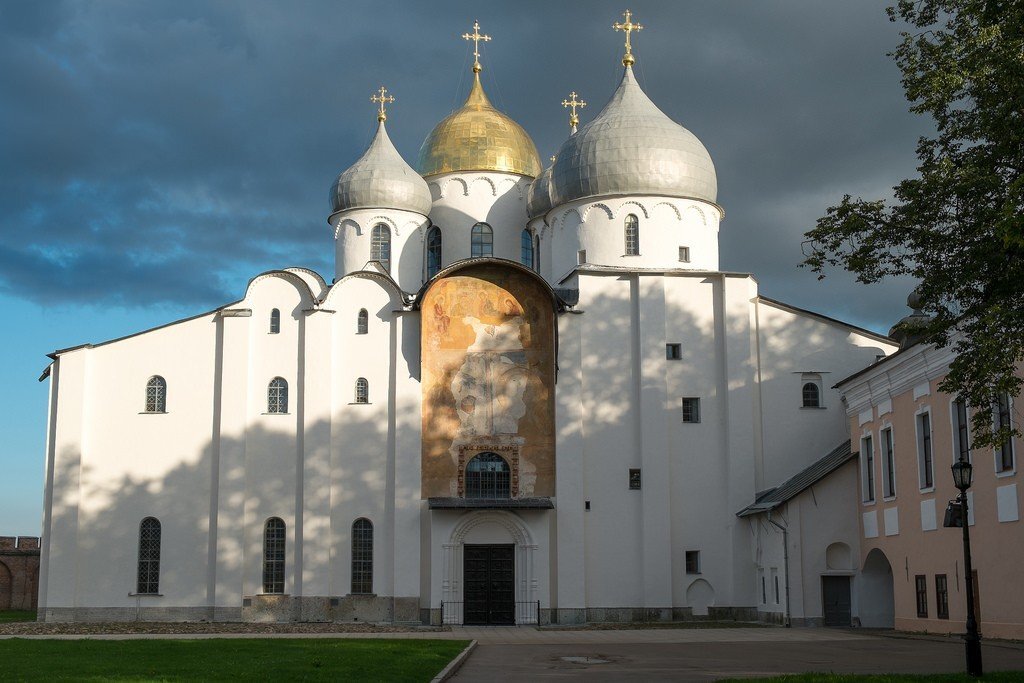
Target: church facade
{"type": "Point", "coordinates": [529, 394]}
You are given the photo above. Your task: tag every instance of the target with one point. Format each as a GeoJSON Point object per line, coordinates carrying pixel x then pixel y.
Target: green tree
{"type": "Point", "coordinates": [957, 227]}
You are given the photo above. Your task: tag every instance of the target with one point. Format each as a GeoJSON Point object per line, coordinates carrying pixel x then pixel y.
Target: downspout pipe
{"type": "Point", "coordinates": [785, 562]}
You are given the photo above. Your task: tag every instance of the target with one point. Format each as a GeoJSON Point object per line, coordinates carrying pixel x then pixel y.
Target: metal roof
{"type": "Point", "coordinates": [789, 489]}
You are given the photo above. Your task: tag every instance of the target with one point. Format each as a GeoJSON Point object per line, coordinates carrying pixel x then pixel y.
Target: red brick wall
{"type": "Point", "coordinates": [19, 572]}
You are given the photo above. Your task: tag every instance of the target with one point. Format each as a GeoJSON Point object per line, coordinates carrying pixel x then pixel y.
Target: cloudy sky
{"type": "Point", "coordinates": [155, 155]}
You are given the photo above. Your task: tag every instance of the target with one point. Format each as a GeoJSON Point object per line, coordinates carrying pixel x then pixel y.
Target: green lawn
{"type": "Point", "coordinates": [999, 676]}
{"type": "Point", "coordinates": [224, 659]}
{"type": "Point", "coordinates": [10, 615]}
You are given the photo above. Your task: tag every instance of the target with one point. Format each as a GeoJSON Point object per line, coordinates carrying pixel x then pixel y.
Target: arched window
{"type": "Point", "coordinates": [481, 241]}
{"type": "Point", "coordinates": [362, 390]}
{"type": "Point", "coordinates": [277, 396]}
{"type": "Point", "coordinates": [433, 251]}
{"type": "Point", "coordinates": [536, 253]}
{"type": "Point", "coordinates": [156, 395]}
{"type": "Point", "coordinates": [380, 245]}
{"type": "Point", "coordinates": [275, 321]}
{"type": "Point", "coordinates": [632, 235]}
{"type": "Point", "coordinates": [273, 555]}
{"type": "Point", "coordinates": [148, 582]}
{"type": "Point", "coordinates": [362, 556]}
{"type": "Point", "coordinates": [526, 248]}
{"type": "Point", "coordinates": [362, 322]}
{"type": "Point", "coordinates": [811, 395]}
{"type": "Point", "coordinates": [488, 476]}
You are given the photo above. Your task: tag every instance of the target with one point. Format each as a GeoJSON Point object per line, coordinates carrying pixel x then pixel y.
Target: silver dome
{"type": "Point", "coordinates": [380, 180]}
{"type": "Point", "coordinates": [633, 148]}
{"type": "Point", "coordinates": [538, 199]}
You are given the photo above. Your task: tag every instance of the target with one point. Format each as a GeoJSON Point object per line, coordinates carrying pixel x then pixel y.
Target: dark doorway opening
{"type": "Point", "coordinates": [489, 584]}
{"type": "Point", "coordinates": [835, 592]}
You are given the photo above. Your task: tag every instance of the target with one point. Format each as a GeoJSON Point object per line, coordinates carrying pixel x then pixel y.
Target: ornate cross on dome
{"type": "Point", "coordinates": [628, 27]}
{"type": "Point", "coordinates": [476, 37]}
{"type": "Point", "coordinates": [574, 120]}
{"type": "Point", "coordinates": [383, 98]}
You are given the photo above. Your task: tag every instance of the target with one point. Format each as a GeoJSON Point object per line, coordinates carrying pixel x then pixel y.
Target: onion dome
{"type": "Point", "coordinates": [538, 199]}
{"type": "Point", "coordinates": [478, 137]}
{"type": "Point", "coordinates": [381, 180]}
{"type": "Point", "coordinates": [633, 148]}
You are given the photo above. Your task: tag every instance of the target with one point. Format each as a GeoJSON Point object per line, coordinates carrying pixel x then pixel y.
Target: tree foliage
{"type": "Point", "coordinates": [957, 226]}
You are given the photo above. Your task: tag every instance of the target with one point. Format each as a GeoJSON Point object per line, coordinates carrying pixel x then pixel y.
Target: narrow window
{"type": "Point", "coordinates": [526, 248]}
{"type": "Point", "coordinates": [433, 251]}
{"type": "Point", "coordinates": [380, 246]}
{"type": "Point", "coordinates": [921, 586]}
{"type": "Point", "coordinates": [275, 321]}
{"type": "Point", "coordinates": [924, 450]}
{"type": "Point", "coordinates": [156, 395]}
{"type": "Point", "coordinates": [941, 597]}
{"type": "Point", "coordinates": [961, 437]}
{"type": "Point", "coordinates": [868, 462]}
{"type": "Point", "coordinates": [488, 476]}
{"type": "Point", "coordinates": [273, 556]}
{"type": "Point", "coordinates": [536, 253]}
{"type": "Point", "coordinates": [889, 463]}
{"type": "Point", "coordinates": [764, 591]}
{"type": "Point", "coordinates": [684, 254]}
{"type": "Point", "coordinates": [362, 556]}
{"type": "Point", "coordinates": [581, 257]}
{"type": "Point", "coordinates": [1004, 454]}
{"type": "Point", "coordinates": [693, 562]}
{"type": "Point", "coordinates": [277, 396]}
{"type": "Point", "coordinates": [673, 351]}
{"type": "Point", "coordinates": [691, 409]}
{"type": "Point", "coordinates": [481, 241]}
{"type": "Point", "coordinates": [149, 557]}
{"type": "Point", "coordinates": [632, 235]}
{"type": "Point", "coordinates": [362, 322]}
{"type": "Point", "coordinates": [634, 480]}
{"type": "Point", "coordinates": [776, 577]}
{"type": "Point", "coordinates": [362, 390]}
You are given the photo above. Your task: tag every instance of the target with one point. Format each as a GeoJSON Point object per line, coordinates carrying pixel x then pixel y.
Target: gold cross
{"type": "Point", "coordinates": [553, 157]}
{"type": "Point", "coordinates": [476, 37]}
{"type": "Point", "coordinates": [383, 98]}
{"type": "Point", "coordinates": [574, 120]}
{"type": "Point", "coordinates": [628, 27]}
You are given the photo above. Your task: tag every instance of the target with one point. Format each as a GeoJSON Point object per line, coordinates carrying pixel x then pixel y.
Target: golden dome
{"type": "Point", "coordinates": [478, 137]}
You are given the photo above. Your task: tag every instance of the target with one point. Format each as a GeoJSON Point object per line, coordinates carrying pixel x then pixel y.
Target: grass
{"type": "Point", "coordinates": [7, 616]}
{"type": "Point", "coordinates": [882, 678]}
{"type": "Point", "coordinates": [224, 659]}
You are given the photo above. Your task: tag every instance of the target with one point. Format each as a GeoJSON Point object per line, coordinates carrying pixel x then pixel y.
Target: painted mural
{"type": "Point", "coordinates": [488, 360]}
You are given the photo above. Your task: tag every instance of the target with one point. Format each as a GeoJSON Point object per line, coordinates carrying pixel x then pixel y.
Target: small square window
{"type": "Point", "coordinates": [693, 562]}
{"type": "Point", "coordinates": [634, 480]}
{"type": "Point", "coordinates": [684, 254]}
{"type": "Point", "coordinates": [691, 409]}
{"type": "Point", "coordinates": [673, 351]}
{"type": "Point", "coordinates": [581, 257]}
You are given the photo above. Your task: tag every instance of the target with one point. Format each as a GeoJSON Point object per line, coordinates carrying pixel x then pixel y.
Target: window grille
{"type": "Point", "coordinates": [275, 321]}
{"type": "Point", "coordinates": [924, 446]}
{"type": "Point", "coordinates": [488, 476]}
{"type": "Point", "coordinates": [526, 248]}
{"type": "Point", "coordinates": [961, 436]}
{"type": "Point", "coordinates": [362, 556]}
{"type": "Point", "coordinates": [433, 251]}
{"type": "Point", "coordinates": [277, 396]}
{"type": "Point", "coordinates": [921, 586]}
{"type": "Point", "coordinates": [380, 246]}
{"type": "Point", "coordinates": [273, 555]}
{"type": "Point", "coordinates": [362, 322]}
{"type": "Point", "coordinates": [632, 235]}
{"type": "Point", "coordinates": [868, 454]}
{"type": "Point", "coordinates": [811, 395]}
{"type": "Point", "coordinates": [889, 462]}
{"type": "Point", "coordinates": [684, 254]}
{"type": "Point", "coordinates": [693, 562]}
{"type": "Point", "coordinates": [634, 480]}
{"type": "Point", "coordinates": [691, 409]}
{"type": "Point", "coordinates": [362, 391]}
{"type": "Point", "coordinates": [673, 351]}
{"type": "Point", "coordinates": [148, 582]}
{"type": "Point", "coordinates": [156, 395]}
{"type": "Point", "coordinates": [941, 597]}
{"type": "Point", "coordinates": [481, 241]}
{"type": "Point", "coordinates": [1002, 421]}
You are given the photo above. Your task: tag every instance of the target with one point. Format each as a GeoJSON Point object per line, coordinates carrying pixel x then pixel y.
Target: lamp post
{"type": "Point", "coordinates": [963, 473]}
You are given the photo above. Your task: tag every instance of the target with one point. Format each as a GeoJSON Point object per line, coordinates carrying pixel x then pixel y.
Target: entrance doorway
{"type": "Point", "coordinates": [835, 592]}
{"type": "Point", "coordinates": [489, 584]}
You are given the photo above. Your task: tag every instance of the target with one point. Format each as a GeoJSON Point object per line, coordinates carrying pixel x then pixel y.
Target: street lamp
{"type": "Point", "coordinates": [963, 473]}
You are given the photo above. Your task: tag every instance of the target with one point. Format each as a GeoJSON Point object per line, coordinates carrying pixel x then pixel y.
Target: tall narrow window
{"type": "Point", "coordinates": [536, 253]}
{"type": "Point", "coordinates": [156, 395]}
{"type": "Point", "coordinates": [481, 241]}
{"type": "Point", "coordinates": [148, 582]}
{"type": "Point", "coordinates": [488, 476]}
{"type": "Point", "coordinates": [867, 455]}
{"type": "Point", "coordinates": [691, 409]}
{"type": "Point", "coordinates": [273, 555]}
{"type": "Point", "coordinates": [924, 450]}
{"type": "Point", "coordinates": [921, 589]}
{"type": "Point", "coordinates": [362, 556]}
{"type": "Point", "coordinates": [888, 463]}
{"type": "Point", "coordinates": [961, 436]}
{"type": "Point", "coordinates": [526, 248]}
{"type": "Point", "coordinates": [362, 390]}
{"type": "Point", "coordinates": [362, 322]}
{"type": "Point", "coordinates": [693, 562]}
{"type": "Point", "coordinates": [1001, 413]}
{"type": "Point", "coordinates": [275, 321]}
{"type": "Point", "coordinates": [433, 251]}
{"type": "Point", "coordinates": [941, 597]}
{"type": "Point", "coordinates": [277, 396]}
{"type": "Point", "coordinates": [632, 235]}
{"type": "Point", "coordinates": [380, 245]}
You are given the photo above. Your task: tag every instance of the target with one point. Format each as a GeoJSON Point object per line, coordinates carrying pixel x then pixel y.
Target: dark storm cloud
{"type": "Point", "coordinates": [156, 152]}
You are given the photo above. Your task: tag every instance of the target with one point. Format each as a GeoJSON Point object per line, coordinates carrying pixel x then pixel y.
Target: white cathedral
{"type": "Point", "coordinates": [529, 395]}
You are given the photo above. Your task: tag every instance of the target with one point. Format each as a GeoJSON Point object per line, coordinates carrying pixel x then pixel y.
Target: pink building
{"type": "Point", "coordinates": [908, 434]}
